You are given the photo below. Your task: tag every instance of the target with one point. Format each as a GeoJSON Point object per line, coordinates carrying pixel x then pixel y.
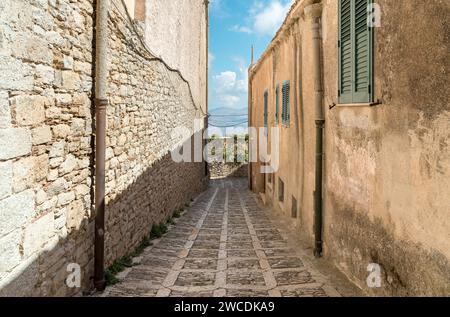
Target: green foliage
{"type": "Point", "coordinates": [177, 213]}
{"type": "Point", "coordinates": [158, 231]}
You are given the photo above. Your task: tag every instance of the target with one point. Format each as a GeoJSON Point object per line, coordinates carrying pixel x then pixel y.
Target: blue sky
{"type": "Point", "coordinates": [236, 25]}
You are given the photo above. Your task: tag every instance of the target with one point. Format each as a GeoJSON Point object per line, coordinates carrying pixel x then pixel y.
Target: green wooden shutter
{"type": "Point", "coordinates": [345, 51]}
{"type": "Point", "coordinates": [286, 102]}
{"type": "Point", "coordinates": [277, 104]}
{"type": "Point", "coordinates": [362, 51]}
{"type": "Point", "coordinates": [266, 108]}
{"type": "Point", "coordinates": [283, 105]}
{"type": "Point", "coordinates": [355, 52]}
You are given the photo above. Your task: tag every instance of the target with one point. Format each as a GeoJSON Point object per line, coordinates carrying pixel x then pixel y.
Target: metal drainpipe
{"type": "Point", "coordinates": [101, 101]}
{"type": "Point", "coordinates": [315, 11]}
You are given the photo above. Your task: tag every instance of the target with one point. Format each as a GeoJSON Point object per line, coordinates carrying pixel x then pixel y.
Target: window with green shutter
{"type": "Point", "coordinates": [286, 106]}
{"type": "Point", "coordinates": [355, 52]}
{"type": "Point", "coordinates": [266, 108]}
{"type": "Point", "coordinates": [277, 104]}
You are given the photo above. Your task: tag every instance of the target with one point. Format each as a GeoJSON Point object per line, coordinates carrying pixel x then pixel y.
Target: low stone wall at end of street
{"type": "Point", "coordinates": [222, 170]}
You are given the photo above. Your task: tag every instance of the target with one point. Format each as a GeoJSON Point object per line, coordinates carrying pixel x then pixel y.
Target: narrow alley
{"type": "Point", "coordinates": [226, 244]}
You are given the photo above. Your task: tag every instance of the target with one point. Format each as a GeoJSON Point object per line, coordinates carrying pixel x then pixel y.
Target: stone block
{"type": "Point", "coordinates": [5, 112]}
{"type": "Point", "coordinates": [32, 48]}
{"type": "Point", "coordinates": [44, 75]}
{"type": "Point", "coordinates": [22, 280]}
{"type": "Point", "coordinates": [37, 233]}
{"type": "Point", "coordinates": [14, 143]}
{"type": "Point", "coordinates": [61, 131]}
{"type": "Point", "coordinates": [5, 178]}
{"type": "Point", "coordinates": [66, 198]}
{"type": "Point", "coordinates": [41, 135]}
{"type": "Point", "coordinates": [75, 215]}
{"type": "Point", "coordinates": [15, 211]}
{"type": "Point", "coordinates": [10, 251]}
{"type": "Point", "coordinates": [68, 165]}
{"type": "Point", "coordinates": [15, 75]}
{"type": "Point", "coordinates": [67, 79]}
{"type": "Point", "coordinates": [23, 173]}
{"type": "Point", "coordinates": [57, 149]}
{"type": "Point", "coordinates": [30, 110]}
{"type": "Point", "coordinates": [57, 187]}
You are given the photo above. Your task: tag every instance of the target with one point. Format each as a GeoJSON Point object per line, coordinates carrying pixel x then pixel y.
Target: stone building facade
{"type": "Point", "coordinates": [387, 164]}
{"type": "Point", "coordinates": [47, 135]}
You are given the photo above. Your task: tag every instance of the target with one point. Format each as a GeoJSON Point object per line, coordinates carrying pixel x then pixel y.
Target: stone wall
{"type": "Point", "coordinates": [46, 142]}
{"type": "Point", "coordinates": [222, 170]}
{"type": "Point", "coordinates": [144, 185]}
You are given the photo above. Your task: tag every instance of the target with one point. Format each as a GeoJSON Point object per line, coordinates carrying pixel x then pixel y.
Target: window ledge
{"type": "Point", "coordinates": [361, 104]}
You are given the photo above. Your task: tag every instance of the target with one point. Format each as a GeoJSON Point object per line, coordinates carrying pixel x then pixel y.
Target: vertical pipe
{"type": "Point", "coordinates": [249, 113]}
{"type": "Point", "coordinates": [206, 121]}
{"type": "Point", "coordinates": [315, 11]}
{"type": "Point", "coordinates": [101, 101]}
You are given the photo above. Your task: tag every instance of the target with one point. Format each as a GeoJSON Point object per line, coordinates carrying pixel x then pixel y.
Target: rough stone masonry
{"type": "Point", "coordinates": [46, 143]}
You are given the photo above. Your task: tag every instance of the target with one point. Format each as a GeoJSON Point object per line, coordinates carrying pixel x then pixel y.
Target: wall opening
{"type": "Point", "coordinates": [280, 190]}
{"type": "Point", "coordinates": [294, 210]}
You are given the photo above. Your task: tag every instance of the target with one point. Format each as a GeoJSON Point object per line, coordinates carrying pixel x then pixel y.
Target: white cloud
{"type": "Point", "coordinates": [269, 19]}
{"type": "Point", "coordinates": [241, 29]}
{"type": "Point", "coordinates": [227, 82]}
{"type": "Point", "coordinates": [265, 19]}
{"type": "Point", "coordinates": [228, 100]}
{"type": "Point", "coordinates": [230, 88]}
{"type": "Point", "coordinates": [211, 59]}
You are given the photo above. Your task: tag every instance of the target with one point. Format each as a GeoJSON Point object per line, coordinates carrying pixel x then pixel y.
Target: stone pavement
{"type": "Point", "coordinates": [225, 245]}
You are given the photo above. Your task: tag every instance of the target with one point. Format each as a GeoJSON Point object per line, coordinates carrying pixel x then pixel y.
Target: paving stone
{"type": "Point", "coordinates": [244, 264]}
{"type": "Point", "coordinates": [246, 293]}
{"type": "Point", "coordinates": [200, 264]}
{"type": "Point", "coordinates": [285, 263]}
{"type": "Point", "coordinates": [191, 294]}
{"type": "Point", "coordinates": [242, 245]}
{"type": "Point", "coordinates": [270, 253]}
{"type": "Point", "coordinates": [195, 279]}
{"type": "Point", "coordinates": [241, 254]}
{"type": "Point", "coordinates": [245, 278]}
{"type": "Point", "coordinates": [304, 292]}
{"type": "Point", "coordinates": [293, 277]}
{"type": "Point", "coordinates": [211, 251]}
{"type": "Point", "coordinates": [203, 253]}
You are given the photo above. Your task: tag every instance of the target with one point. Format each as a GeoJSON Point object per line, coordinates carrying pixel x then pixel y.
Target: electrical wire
{"type": "Point", "coordinates": [227, 115]}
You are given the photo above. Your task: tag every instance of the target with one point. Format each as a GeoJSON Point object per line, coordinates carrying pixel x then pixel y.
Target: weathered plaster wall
{"type": "Point", "coordinates": [387, 167]}
{"type": "Point", "coordinates": [46, 141]}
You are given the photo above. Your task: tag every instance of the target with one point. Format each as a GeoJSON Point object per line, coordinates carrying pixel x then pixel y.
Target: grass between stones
{"type": "Point", "coordinates": [119, 265]}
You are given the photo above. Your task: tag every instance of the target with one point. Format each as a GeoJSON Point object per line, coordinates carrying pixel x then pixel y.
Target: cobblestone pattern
{"type": "Point", "coordinates": [224, 246]}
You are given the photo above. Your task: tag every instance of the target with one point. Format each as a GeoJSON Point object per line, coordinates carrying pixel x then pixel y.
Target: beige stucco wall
{"type": "Point", "coordinates": [387, 167]}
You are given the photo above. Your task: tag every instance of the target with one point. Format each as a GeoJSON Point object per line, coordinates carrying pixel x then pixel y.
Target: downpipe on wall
{"type": "Point", "coordinates": [101, 102]}
{"type": "Point", "coordinates": [315, 12]}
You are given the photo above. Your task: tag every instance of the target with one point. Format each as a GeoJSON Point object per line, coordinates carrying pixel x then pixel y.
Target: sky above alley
{"type": "Point", "coordinates": [236, 25]}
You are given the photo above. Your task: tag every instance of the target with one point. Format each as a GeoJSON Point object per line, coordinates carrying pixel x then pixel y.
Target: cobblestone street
{"type": "Point", "coordinates": [224, 245]}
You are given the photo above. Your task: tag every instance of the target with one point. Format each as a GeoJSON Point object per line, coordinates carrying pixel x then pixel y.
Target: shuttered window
{"type": "Point", "coordinates": [286, 106]}
{"type": "Point", "coordinates": [266, 108]}
{"type": "Point", "coordinates": [355, 52]}
{"type": "Point", "coordinates": [277, 104]}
